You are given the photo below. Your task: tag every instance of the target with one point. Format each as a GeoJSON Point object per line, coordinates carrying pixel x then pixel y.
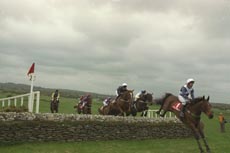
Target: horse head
{"type": "Point", "coordinates": [204, 106]}
{"type": "Point", "coordinates": [148, 98]}
{"type": "Point", "coordinates": [127, 95]}
{"type": "Point", "coordinates": [207, 107]}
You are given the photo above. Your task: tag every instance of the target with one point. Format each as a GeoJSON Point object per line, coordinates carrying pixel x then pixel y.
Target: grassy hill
{"type": "Point", "coordinates": [16, 89]}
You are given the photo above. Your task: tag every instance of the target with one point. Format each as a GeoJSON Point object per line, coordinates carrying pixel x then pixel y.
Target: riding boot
{"type": "Point", "coordinates": [182, 111]}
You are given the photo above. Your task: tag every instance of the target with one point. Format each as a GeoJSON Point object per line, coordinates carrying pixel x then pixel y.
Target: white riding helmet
{"type": "Point", "coordinates": [190, 80]}
{"type": "Point", "coordinates": [124, 84]}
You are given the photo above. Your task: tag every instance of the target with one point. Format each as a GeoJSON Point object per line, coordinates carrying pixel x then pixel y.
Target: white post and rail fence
{"type": "Point", "coordinates": [19, 100]}
{"type": "Point", "coordinates": [152, 113]}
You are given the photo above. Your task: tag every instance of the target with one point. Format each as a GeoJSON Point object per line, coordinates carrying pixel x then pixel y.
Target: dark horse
{"type": "Point", "coordinates": [54, 105]}
{"type": "Point", "coordinates": [192, 115]}
{"type": "Point", "coordinates": [86, 109]}
{"type": "Point", "coordinates": [141, 104]}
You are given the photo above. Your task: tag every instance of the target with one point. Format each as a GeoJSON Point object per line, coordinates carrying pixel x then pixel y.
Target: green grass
{"type": "Point", "coordinates": [219, 142]}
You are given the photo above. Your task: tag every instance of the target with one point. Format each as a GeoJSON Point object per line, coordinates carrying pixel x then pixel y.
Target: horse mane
{"type": "Point", "coordinates": [197, 99]}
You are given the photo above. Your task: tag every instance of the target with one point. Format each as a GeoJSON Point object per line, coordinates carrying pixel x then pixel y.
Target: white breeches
{"type": "Point", "coordinates": [182, 99]}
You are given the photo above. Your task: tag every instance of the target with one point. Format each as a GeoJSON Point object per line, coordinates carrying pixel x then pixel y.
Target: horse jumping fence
{"type": "Point", "coordinates": [152, 113]}
{"type": "Point", "coordinates": [13, 101]}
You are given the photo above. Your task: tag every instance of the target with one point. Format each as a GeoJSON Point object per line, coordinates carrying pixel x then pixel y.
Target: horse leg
{"type": "Point", "coordinates": [57, 108]}
{"type": "Point", "coordinates": [142, 113]}
{"type": "Point", "coordinates": [145, 113]}
{"type": "Point", "coordinates": [163, 114]}
{"type": "Point", "coordinates": [133, 111]}
{"type": "Point", "coordinates": [203, 138]}
{"type": "Point", "coordinates": [159, 111]}
{"type": "Point", "coordinates": [164, 107]}
{"type": "Point", "coordinates": [197, 137]}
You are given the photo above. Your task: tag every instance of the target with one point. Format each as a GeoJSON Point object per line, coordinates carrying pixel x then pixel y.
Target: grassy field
{"type": "Point", "coordinates": [219, 142]}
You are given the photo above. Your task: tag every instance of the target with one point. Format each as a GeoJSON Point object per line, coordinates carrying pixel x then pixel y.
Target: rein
{"type": "Point", "coordinates": [127, 101]}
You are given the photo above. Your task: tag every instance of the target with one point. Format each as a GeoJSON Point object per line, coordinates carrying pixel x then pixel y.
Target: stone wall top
{"type": "Point", "coordinates": [57, 117]}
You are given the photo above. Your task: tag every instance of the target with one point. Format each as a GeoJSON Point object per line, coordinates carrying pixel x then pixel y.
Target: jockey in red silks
{"type": "Point", "coordinates": [84, 100]}
{"type": "Point", "coordinates": [107, 101]}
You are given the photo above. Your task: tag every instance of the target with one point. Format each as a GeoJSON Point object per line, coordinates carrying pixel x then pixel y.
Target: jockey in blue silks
{"type": "Point", "coordinates": [186, 94]}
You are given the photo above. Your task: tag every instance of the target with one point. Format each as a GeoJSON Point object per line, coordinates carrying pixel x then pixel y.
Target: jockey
{"type": "Point", "coordinates": [121, 89]}
{"type": "Point", "coordinates": [55, 95]}
{"type": "Point", "coordinates": [186, 94]}
{"type": "Point", "coordinates": [140, 94]}
{"type": "Point", "coordinates": [84, 100]}
{"type": "Point", "coordinates": [107, 101]}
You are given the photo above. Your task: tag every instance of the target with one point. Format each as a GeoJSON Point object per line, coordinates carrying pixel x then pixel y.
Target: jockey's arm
{"type": "Point", "coordinates": [104, 102]}
{"type": "Point", "coordinates": [184, 93]}
{"type": "Point", "coordinates": [58, 96]}
{"type": "Point", "coordinates": [192, 94]}
{"type": "Point", "coordinates": [52, 96]}
{"type": "Point", "coordinates": [137, 96]}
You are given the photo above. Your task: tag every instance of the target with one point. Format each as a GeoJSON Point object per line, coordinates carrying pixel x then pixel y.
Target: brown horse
{"type": "Point", "coordinates": [141, 104]}
{"type": "Point", "coordinates": [86, 109]}
{"type": "Point", "coordinates": [111, 109]}
{"type": "Point", "coordinates": [192, 115]}
{"type": "Point", "coordinates": [124, 102]}
{"type": "Point", "coordinates": [54, 105]}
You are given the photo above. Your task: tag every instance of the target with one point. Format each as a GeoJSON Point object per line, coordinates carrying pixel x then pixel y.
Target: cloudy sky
{"type": "Point", "coordinates": [96, 45]}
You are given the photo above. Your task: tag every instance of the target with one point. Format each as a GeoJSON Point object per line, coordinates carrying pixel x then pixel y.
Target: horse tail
{"type": "Point", "coordinates": [165, 97]}
{"type": "Point", "coordinates": [161, 101]}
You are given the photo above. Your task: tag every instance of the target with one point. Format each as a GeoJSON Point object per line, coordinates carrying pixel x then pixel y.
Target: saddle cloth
{"type": "Point", "coordinates": [177, 106]}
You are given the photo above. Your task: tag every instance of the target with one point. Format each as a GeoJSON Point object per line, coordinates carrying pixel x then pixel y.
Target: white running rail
{"type": "Point", "coordinates": [152, 113]}
{"type": "Point", "coordinates": [16, 99]}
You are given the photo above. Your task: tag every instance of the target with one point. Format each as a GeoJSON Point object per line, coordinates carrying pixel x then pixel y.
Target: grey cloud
{"type": "Point", "coordinates": [97, 45]}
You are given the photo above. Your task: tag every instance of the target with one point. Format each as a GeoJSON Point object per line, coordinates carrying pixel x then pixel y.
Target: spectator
{"type": "Point", "coordinates": [222, 122]}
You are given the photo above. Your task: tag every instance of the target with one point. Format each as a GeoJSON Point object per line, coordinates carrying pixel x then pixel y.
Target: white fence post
{"type": "Point", "coordinates": [37, 101]}
{"type": "Point", "coordinates": [21, 98]}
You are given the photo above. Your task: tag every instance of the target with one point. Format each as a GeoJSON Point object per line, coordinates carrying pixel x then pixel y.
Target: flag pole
{"type": "Point", "coordinates": [31, 98]}
{"type": "Point", "coordinates": [31, 93]}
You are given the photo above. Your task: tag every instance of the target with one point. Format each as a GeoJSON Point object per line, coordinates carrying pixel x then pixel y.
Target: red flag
{"type": "Point", "coordinates": [31, 70]}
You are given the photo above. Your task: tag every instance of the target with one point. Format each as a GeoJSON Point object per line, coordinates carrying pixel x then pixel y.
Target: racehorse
{"type": "Point", "coordinates": [141, 104]}
{"type": "Point", "coordinates": [54, 105]}
{"type": "Point", "coordinates": [124, 102]}
{"type": "Point", "coordinates": [192, 115]}
{"type": "Point", "coordinates": [86, 109]}
{"type": "Point", "coordinates": [111, 109]}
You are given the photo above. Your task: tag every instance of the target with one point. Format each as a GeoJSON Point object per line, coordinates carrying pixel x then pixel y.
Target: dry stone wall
{"type": "Point", "coordinates": [28, 127]}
